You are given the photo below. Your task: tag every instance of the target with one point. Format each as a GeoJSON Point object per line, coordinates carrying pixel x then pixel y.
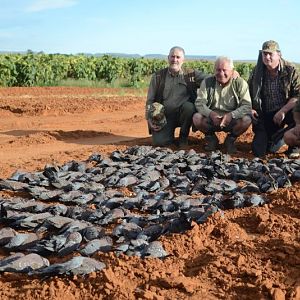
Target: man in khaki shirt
{"type": "Point", "coordinates": [223, 104]}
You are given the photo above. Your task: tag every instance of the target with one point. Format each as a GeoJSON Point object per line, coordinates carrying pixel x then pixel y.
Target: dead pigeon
{"type": "Point", "coordinates": [78, 265]}
{"type": "Point", "coordinates": [104, 245]}
{"type": "Point", "coordinates": [24, 263]}
{"type": "Point", "coordinates": [154, 249]}
{"type": "Point", "coordinates": [6, 234]}
{"type": "Point", "coordinates": [21, 241]}
{"type": "Point", "coordinates": [72, 243]}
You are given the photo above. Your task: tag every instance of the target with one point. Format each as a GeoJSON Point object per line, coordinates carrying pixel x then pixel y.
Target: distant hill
{"type": "Point", "coordinates": [158, 56]}
{"type": "Point", "coordinates": [126, 55]}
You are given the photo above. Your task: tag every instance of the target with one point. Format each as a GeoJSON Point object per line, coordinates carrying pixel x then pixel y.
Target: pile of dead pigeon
{"type": "Point", "coordinates": [124, 203]}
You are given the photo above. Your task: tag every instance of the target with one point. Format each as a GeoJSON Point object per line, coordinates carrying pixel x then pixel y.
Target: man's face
{"type": "Point", "coordinates": [223, 72]}
{"type": "Point", "coordinates": [271, 59]}
{"type": "Point", "coordinates": [176, 59]}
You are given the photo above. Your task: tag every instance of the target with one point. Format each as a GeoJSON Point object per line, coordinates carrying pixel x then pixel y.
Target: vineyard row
{"type": "Point", "coordinates": [39, 69]}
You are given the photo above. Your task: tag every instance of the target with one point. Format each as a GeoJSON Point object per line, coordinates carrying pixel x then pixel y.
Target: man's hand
{"type": "Point", "coordinates": [254, 114]}
{"type": "Point", "coordinates": [226, 120]}
{"type": "Point", "coordinates": [279, 117]}
{"type": "Point", "coordinates": [235, 74]}
{"type": "Point", "coordinates": [216, 118]}
{"type": "Point", "coordinates": [153, 127]}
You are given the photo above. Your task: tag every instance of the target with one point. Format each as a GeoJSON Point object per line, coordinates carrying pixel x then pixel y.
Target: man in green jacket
{"type": "Point", "coordinates": [170, 100]}
{"type": "Point", "coordinates": [274, 88]}
{"type": "Point", "coordinates": [223, 104]}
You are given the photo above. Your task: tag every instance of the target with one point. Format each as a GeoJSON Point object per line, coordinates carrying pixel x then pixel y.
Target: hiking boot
{"type": "Point", "coordinates": [275, 146]}
{"type": "Point", "coordinates": [292, 152]}
{"type": "Point", "coordinates": [183, 142]}
{"type": "Point", "coordinates": [212, 143]}
{"type": "Point", "coordinates": [277, 140]}
{"type": "Point", "coordinates": [229, 144]}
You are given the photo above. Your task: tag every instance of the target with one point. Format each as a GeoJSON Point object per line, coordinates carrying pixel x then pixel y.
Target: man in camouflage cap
{"type": "Point", "coordinates": [270, 46]}
{"type": "Point", "coordinates": [274, 86]}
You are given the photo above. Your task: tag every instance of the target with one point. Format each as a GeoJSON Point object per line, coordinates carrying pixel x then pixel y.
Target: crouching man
{"type": "Point", "coordinates": [292, 136]}
{"type": "Point", "coordinates": [175, 89]}
{"type": "Point", "coordinates": [223, 104]}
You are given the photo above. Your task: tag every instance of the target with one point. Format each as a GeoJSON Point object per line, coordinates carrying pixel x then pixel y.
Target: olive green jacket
{"type": "Point", "coordinates": [173, 91]}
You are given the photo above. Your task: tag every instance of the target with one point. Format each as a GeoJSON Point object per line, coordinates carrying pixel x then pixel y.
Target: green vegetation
{"type": "Point", "coordinates": [39, 69]}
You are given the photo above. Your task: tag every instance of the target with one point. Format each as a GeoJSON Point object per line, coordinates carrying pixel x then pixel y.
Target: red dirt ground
{"type": "Point", "coordinates": [250, 253]}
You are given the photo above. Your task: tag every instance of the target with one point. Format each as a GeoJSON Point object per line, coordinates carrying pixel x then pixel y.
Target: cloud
{"type": "Point", "coordinates": [40, 5]}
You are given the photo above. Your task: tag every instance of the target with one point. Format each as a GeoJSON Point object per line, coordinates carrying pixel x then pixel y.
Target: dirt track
{"type": "Point", "coordinates": [251, 253]}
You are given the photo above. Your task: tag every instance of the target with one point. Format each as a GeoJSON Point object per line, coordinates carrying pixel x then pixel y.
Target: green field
{"type": "Point", "coordinates": [39, 69]}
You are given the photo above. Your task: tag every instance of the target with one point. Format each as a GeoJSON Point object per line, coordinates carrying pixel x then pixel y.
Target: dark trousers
{"type": "Point", "coordinates": [182, 118]}
{"type": "Point", "coordinates": [264, 129]}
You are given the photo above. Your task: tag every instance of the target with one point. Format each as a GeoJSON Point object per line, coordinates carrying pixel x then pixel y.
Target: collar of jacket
{"type": "Point", "coordinates": [180, 72]}
{"type": "Point", "coordinates": [222, 86]}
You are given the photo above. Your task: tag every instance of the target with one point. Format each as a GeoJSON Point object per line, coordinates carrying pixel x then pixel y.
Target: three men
{"type": "Point", "coordinates": [223, 102]}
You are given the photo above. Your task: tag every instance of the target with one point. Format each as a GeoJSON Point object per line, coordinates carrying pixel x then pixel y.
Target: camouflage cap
{"type": "Point", "coordinates": [157, 115]}
{"type": "Point", "coordinates": [270, 46]}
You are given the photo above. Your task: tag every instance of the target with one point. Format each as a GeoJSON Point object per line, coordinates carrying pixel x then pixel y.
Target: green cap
{"type": "Point", "coordinates": [270, 46]}
{"type": "Point", "coordinates": [157, 114]}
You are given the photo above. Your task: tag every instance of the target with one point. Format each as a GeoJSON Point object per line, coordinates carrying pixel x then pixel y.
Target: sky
{"type": "Point", "coordinates": [236, 29]}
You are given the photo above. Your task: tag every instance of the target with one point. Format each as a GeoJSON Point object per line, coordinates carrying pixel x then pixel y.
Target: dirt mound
{"type": "Point", "coordinates": [249, 253]}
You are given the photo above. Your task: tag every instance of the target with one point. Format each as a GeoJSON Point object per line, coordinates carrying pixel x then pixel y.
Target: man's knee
{"type": "Point", "coordinates": [188, 108]}
{"type": "Point", "coordinates": [245, 122]}
{"type": "Point", "coordinates": [289, 138]}
{"type": "Point", "coordinates": [197, 119]}
{"type": "Point", "coordinates": [241, 125]}
{"type": "Point", "coordinates": [200, 122]}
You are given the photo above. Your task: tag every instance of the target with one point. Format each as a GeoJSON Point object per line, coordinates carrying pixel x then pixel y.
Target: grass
{"type": "Point", "coordinates": [118, 83]}
{"type": "Point", "coordinates": [123, 88]}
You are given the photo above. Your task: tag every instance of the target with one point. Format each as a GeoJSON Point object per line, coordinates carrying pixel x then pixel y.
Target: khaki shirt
{"type": "Point", "coordinates": [234, 98]}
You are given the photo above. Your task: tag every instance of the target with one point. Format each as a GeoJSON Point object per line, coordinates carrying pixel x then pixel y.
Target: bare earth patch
{"type": "Point", "coordinates": [249, 253]}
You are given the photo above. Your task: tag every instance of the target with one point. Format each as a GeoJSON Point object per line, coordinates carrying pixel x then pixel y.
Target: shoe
{"type": "Point", "coordinates": [229, 144]}
{"type": "Point", "coordinates": [274, 147]}
{"type": "Point", "coordinates": [183, 142]}
{"type": "Point", "coordinates": [212, 142]}
{"type": "Point", "coordinates": [292, 152]}
{"type": "Point", "coordinates": [277, 141]}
